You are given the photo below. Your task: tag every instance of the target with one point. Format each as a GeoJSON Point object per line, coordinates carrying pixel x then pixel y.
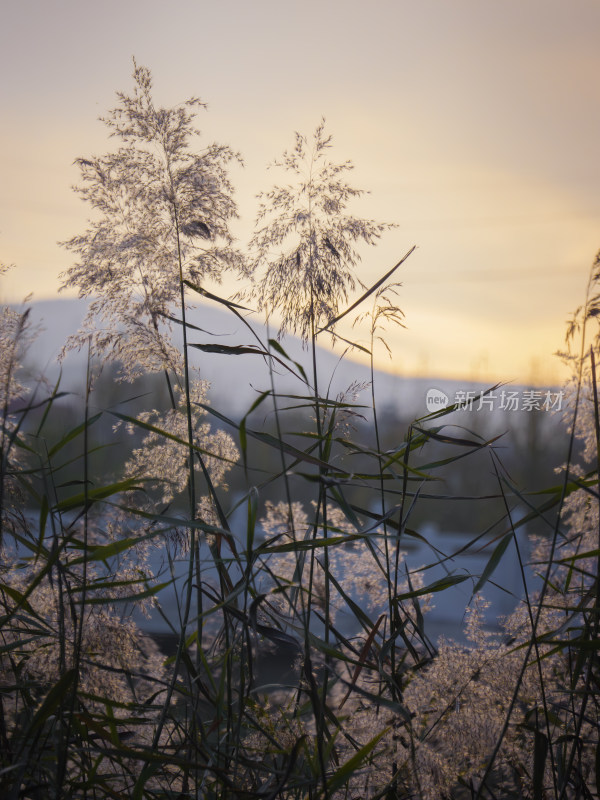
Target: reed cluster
{"type": "Point", "coordinates": [360, 703]}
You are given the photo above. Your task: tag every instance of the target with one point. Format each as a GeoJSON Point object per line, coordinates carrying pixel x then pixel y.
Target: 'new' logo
{"type": "Point", "coordinates": [435, 400]}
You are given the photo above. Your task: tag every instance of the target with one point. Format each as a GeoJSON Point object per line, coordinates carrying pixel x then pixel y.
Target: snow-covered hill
{"type": "Point", "coordinates": [236, 380]}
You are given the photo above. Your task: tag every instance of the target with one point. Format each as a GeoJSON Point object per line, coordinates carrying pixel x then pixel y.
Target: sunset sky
{"type": "Point", "coordinates": [475, 125]}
